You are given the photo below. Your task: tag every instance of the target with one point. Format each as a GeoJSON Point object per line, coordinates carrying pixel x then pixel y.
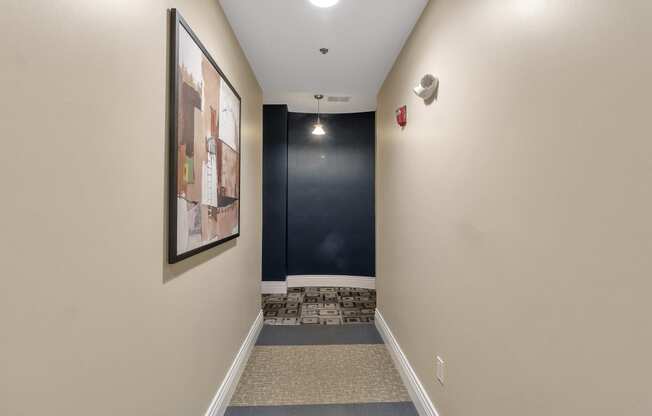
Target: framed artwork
{"type": "Point", "coordinates": [204, 179]}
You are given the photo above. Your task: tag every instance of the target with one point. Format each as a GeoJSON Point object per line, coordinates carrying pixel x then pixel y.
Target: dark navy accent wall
{"type": "Point", "coordinates": [330, 200]}
{"type": "Point", "coordinates": [275, 122]}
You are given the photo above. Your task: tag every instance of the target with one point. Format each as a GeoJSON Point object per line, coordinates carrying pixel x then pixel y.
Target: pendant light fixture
{"type": "Point", "coordinates": [319, 130]}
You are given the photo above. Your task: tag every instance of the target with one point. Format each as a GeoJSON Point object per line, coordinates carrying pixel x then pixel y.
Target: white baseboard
{"type": "Point", "coordinates": [416, 390]}
{"type": "Point", "coordinates": [274, 287]}
{"type": "Point", "coordinates": [227, 388]}
{"type": "Point", "coordinates": [336, 281]}
{"type": "Point", "coordinates": [364, 282]}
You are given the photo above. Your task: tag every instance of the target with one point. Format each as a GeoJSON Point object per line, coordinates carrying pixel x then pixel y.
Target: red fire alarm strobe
{"type": "Point", "coordinates": [401, 116]}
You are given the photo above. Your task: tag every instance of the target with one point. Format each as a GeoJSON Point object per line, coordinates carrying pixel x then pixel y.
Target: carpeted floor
{"type": "Point", "coordinates": [319, 374]}
{"type": "Point", "coordinates": [320, 306]}
{"type": "Point", "coordinates": [320, 370]}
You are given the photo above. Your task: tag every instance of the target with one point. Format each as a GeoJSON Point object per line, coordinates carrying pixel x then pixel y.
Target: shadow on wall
{"type": "Point", "coordinates": [172, 271]}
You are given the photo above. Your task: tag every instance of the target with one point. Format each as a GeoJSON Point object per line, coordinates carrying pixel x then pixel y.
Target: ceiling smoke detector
{"type": "Point", "coordinates": [323, 51]}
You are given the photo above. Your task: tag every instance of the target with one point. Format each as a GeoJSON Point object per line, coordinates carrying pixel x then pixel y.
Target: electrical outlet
{"type": "Point", "coordinates": [440, 370]}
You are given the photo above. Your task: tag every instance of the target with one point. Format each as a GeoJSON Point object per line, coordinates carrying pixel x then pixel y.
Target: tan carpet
{"type": "Point", "coordinates": [319, 374]}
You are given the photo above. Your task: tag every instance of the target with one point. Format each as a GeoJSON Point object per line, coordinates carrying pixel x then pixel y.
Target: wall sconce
{"type": "Point", "coordinates": [427, 87]}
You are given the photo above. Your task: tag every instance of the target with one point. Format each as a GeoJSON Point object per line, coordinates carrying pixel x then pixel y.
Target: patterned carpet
{"type": "Point", "coordinates": [320, 306]}
{"type": "Point", "coordinates": [319, 374]}
{"type": "Point", "coordinates": [302, 368]}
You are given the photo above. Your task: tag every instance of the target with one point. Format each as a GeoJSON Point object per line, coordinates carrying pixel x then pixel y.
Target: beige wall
{"type": "Point", "coordinates": [514, 213]}
{"type": "Point", "coordinates": [92, 320]}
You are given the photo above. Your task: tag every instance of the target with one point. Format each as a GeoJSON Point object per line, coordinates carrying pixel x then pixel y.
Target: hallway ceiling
{"type": "Point", "coordinates": [282, 39]}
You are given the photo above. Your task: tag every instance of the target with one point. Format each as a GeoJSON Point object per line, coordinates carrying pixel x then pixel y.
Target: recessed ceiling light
{"type": "Point", "coordinates": [324, 3]}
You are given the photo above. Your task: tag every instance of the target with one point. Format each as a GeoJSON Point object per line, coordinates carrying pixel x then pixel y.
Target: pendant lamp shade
{"type": "Point", "coordinates": [318, 130]}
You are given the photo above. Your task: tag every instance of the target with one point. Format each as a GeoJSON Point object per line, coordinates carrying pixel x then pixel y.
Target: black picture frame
{"type": "Point", "coordinates": [177, 23]}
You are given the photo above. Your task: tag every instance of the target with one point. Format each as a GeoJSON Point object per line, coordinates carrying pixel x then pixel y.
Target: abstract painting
{"type": "Point", "coordinates": [204, 206]}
